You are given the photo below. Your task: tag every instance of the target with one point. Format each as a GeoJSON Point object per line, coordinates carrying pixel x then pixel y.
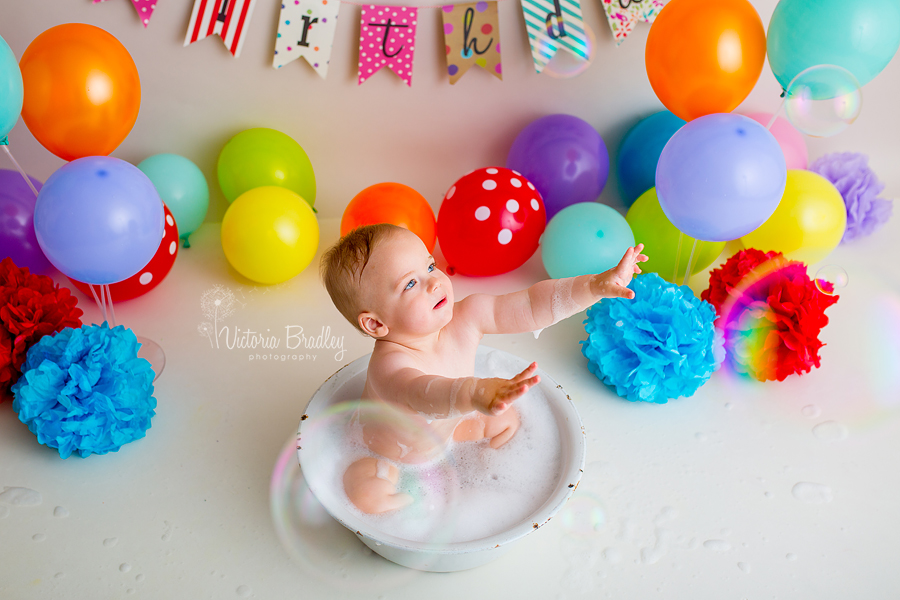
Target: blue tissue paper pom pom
{"type": "Point", "coordinates": [660, 345]}
{"type": "Point", "coordinates": [85, 390]}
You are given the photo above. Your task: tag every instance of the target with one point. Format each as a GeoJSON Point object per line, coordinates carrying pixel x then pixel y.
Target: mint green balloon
{"type": "Point", "coordinates": [583, 239]}
{"type": "Point", "coordinates": [10, 90]}
{"type": "Point", "coordinates": [183, 188]}
{"type": "Point", "coordinates": [861, 37]}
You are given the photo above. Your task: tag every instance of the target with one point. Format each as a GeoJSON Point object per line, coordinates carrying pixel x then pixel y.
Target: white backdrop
{"type": "Point", "coordinates": [196, 98]}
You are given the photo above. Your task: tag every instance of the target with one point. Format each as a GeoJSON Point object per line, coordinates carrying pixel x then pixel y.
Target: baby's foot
{"type": "Point", "coordinates": [371, 485]}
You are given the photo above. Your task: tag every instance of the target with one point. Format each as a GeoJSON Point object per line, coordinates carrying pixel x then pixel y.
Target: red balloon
{"type": "Point", "coordinates": [490, 222]}
{"type": "Point", "coordinates": [151, 275]}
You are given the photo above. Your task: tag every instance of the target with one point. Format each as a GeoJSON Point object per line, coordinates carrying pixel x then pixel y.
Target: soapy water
{"type": "Point", "coordinates": [831, 279]}
{"type": "Point", "coordinates": [464, 491]}
{"type": "Point", "coordinates": [565, 64]}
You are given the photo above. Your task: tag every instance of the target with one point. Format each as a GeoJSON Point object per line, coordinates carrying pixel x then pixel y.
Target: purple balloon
{"type": "Point", "coordinates": [720, 177]}
{"type": "Point", "coordinates": [564, 157]}
{"type": "Point", "coordinates": [17, 239]}
{"type": "Point", "coordinates": [99, 219]}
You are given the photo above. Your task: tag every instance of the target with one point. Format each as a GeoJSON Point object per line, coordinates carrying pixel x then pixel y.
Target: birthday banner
{"type": "Point", "coordinates": [551, 25]}
{"type": "Point", "coordinates": [387, 37]}
{"type": "Point", "coordinates": [226, 18]}
{"type": "Point", "coordinates": [387, 34]}
{"type": "Point", "coordinates": [472, 37]}
{"type": "Point", "coordinates": [144, 9]}
{"type": "Point", "coordinates": [623, 14]}
{"type": "Point", "coordinates": [306, 28]}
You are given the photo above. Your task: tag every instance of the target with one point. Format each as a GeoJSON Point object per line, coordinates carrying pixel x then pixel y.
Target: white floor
{"type": "Point", "coordinates": [746, 490]}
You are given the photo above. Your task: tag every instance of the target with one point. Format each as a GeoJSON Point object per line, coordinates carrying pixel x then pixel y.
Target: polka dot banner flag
{"type": "Point", "coordinates": [387, 37]}
{"type": "Point", "coordinates": [144, 9]}
{"type": "Point", "coordinates": [306, 28]}
{"type": "Point", "coordinates": [471, 37]}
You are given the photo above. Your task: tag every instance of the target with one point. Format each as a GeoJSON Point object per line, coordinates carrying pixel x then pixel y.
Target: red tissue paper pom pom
{"type": "Point", "coordinates": [770, 312]}
{"type": "Point", "coordinates": [31, 306]}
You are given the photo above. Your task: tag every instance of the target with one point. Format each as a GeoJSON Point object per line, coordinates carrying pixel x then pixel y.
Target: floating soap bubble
{"type": "Point", "coordinates": [822, 101]}
{"type": "Point", "coordinates": [583, 515]}
{"type": "Point", "coordinates": [564, 64]}
{"type": "Point", "coordinates": [306, 504]}
{"type": "Point", "coordinates": [831, 279]}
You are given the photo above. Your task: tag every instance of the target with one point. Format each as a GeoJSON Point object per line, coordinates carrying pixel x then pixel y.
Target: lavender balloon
{"type": "Point", "coordinates": [564, 157]}
{"type": "Point", "coordinates": [17, 239]}
{"type": "Point", "coordinates": [720, 177]}
{"type": "Point", "coordinates": [99, 219]}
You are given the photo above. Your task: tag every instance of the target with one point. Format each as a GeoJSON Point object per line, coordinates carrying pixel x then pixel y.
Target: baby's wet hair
{"type": "Point", "coordinates": [342, 265]}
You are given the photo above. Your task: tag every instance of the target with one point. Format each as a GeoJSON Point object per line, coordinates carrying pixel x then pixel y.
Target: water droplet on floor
{"type": "Point", "coordinates": [812, 493]}
{"type": "Point", "coordinates": [745, 567]}
{"type": "Point", "coordinates": [60, 512]}
{"type": "Point", "coordinates": [728, 406]}
{"type": "Point", "coordinates": [244, 591]}
{"type": "Point", "coordinates": [20, 496]}
{"type": "Point", "coordinates": [612, 555]}
{"type": "Point", "coordinates": [39, 537]}
{"type": "Point", "coordinates": [830, 431]}
{"type": "Point", "coordinates": [717, 545]}
{"type": "Point", "coordinates": [124, 567]}
{"type": "Point", "coordinates": [59, 575]}
{"type": "Point", "coordinates": [810, 411]}
{"type": "Point", "coordinates": [700, 437]}
{"type": "Point", "coordinates": [768, 494]}
{"type": "Point", "coordinates": [139, 577]}
{"type": "Point", "coordinates": [790, 556]}
{"type": "Point", "coordinates": [129, 591]}
{"type": "Point", "coordinates": [110, 542]}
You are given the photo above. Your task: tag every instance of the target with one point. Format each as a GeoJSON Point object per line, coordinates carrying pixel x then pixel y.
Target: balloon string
{"type": "Point", "coordinates": [112, 311]}
{"type": "Point", "coordinates": [775, 115]}
{"type": "Point", "coordinates": [690, 265]}
{"type": "Point", "coordinates": [21, 172]}
{"type": "Point", "coordinates": [97, 300]}
{"type": "Point", "coordinates": [677, 257]}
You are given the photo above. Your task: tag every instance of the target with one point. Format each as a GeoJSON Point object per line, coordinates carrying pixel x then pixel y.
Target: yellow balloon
{"type": "Point", "coordinates": [808, 223]}
{"type": "Point", "coordinates": [269, 234]}
{"type": "Point", "coordinates": [652, 228]}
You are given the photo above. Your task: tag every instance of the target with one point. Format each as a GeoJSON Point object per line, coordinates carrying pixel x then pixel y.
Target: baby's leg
{"type": "Point", "coordinates": [371, 485]}
{"type": "Point", "coordinates": [499, 429]}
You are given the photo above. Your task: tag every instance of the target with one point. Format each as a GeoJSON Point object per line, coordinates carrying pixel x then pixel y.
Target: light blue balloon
{"type": "Point", "coordinates": [583, 239]}
{"type": "Point", "coordinates": [720, 177]}
{"type": "Point", "coordinates": [10, 90]}
{"type": "Point", "coordinates": [183, 188]}
{"type": "Point", "coordinates": [639, 153]}
{"type": "Point", "coordinates": [861, 37]}
{"type": "Point", "coordinates": [99, 219]}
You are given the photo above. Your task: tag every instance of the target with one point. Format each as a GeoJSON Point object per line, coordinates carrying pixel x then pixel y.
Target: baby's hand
{"type": "Point", "coordinates": [627, 267]}
{"type": "Point", "coordinates": [494, 395]}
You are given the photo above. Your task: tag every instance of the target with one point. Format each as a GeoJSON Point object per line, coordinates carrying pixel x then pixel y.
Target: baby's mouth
{"type": "Point", "coordinates": [441, 303]}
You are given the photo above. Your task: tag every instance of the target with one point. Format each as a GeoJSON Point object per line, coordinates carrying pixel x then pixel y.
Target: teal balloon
{"type": "Point", "coordinates": [583, 239]}
{"type": "Point", "coordinates": [861, 37]}
{"type": "Point", "coordinates": [10, 90]}
{"type": "Point", "coordinates": [183, 188]}
{"type": "Point", "coordinates": [639, 154]}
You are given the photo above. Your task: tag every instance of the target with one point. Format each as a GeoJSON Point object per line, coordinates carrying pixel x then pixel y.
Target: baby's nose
{"type": "Point", "coordinates": [433, 284]}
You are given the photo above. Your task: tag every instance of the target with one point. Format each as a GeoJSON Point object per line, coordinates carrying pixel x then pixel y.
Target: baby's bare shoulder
{"type": "Point", "coordinates": [387, 359]}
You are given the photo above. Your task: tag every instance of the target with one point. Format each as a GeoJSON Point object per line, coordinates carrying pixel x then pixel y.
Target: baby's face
{"type": "Point", "coordinates": [403, 289]}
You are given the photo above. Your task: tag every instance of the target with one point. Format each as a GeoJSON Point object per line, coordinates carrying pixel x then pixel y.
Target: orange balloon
{"type": "Point", "coordinates": [704, 57]}
{"type": "Point", "coordinates": [82, 91]}
{"type": "Point", "coordinates": [393, 203]}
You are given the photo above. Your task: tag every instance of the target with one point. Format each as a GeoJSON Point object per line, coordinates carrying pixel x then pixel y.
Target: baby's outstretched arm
{"type": "Point", "coordinates": [437, 397]}
{"type": "Point", "coordinates": [550, 301]}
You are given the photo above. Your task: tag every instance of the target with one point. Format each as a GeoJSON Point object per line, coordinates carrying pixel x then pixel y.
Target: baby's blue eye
{"type": "Point", "coordinates": [431, 267]}
{"type": "Point", "coordinates": [410, 285]}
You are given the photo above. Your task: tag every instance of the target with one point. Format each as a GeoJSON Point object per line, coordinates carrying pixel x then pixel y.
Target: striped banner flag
{"type": "Point", "coordinates": [551, 25]}
{"type": "Point", "coordinates": [226, 18]}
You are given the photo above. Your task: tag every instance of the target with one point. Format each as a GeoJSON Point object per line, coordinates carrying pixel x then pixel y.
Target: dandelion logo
{"type": "Point", "coordinates": [217, 303]}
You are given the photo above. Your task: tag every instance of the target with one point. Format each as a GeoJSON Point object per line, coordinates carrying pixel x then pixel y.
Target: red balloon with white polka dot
{"type": "Point", "coordinates": [151, 275]}
{"type": "Point", "coordinates": [490, 222]}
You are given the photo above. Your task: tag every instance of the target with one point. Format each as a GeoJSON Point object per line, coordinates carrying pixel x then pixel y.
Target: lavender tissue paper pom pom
{"type": "Point", "coordinates": [85, 390]}
{"type": "Point", "coordinates": [849, 172]}
{"type": "Point", "coordinates": [660, 345]}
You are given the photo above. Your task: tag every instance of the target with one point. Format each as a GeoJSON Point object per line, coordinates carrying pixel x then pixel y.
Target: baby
{"type": "Point", "coordinates": [383, 279]}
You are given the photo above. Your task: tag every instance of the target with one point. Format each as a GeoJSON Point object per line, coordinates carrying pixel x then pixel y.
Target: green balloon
{"type": "Point", "coordinates": [660, 238]}
{"type": "Point", "coordinates": [183, 188]}
{"type": "Point", "coordinates": [260, 157]}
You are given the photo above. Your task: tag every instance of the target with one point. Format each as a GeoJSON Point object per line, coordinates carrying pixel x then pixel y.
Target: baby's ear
{"type": "Point", "coordinates": [369, 323]}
